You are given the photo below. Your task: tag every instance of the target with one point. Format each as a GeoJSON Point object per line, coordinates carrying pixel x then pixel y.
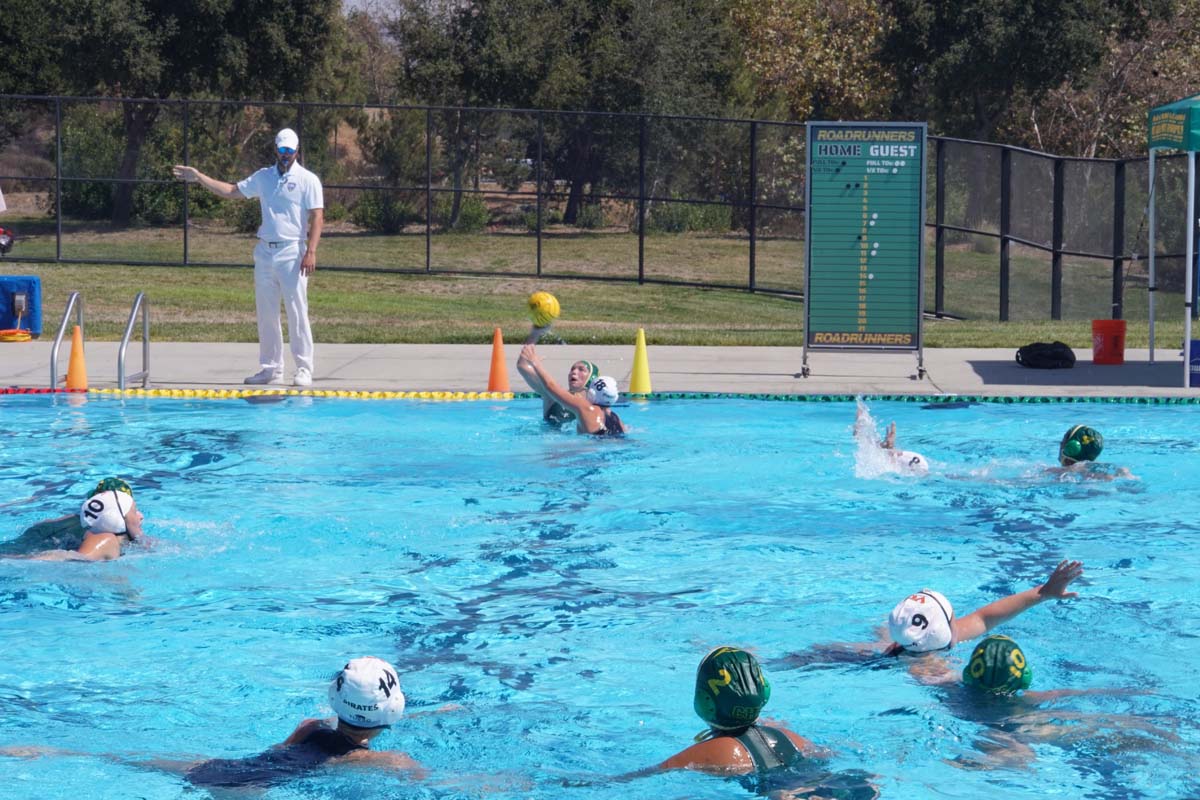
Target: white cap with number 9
{"type": "Point", "coordinates": [922, 622]}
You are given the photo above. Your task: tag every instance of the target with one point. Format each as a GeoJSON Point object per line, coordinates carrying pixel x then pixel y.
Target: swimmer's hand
{"type": "Point", "coordinates": [529, 353]}
{"type": "Point", "coordinates": [30, 751]}
{"type": "Point", "coordinates": [889, 441]}
{"type": "Point", "coordinates": [1056, 585]}
{"type": "Point", "coordinates": [443, 709]}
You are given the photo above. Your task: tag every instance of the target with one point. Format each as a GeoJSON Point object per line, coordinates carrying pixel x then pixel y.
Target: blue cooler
{"type": "Point", "coordinates": [31, 287]}
{"type": "Point", "coordinates": [1194, 364]}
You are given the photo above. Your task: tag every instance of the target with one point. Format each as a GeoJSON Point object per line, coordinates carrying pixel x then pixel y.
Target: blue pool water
{"type": "Point", "coordinates": [562, 590]}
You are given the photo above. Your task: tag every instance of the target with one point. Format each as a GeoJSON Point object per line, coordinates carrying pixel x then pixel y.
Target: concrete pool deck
{"type": "Point", "coordinates": [769, 370]}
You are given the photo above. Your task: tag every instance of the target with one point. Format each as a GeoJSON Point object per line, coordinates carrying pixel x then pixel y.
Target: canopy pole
{"type": "Point", "coordinates": [1187, 295]}
{"type": "Point", "coordinates": [1153, 289]}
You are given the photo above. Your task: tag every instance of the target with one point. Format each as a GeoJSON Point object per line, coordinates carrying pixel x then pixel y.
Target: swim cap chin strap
{"type": "Point", "coordinates": [730, 689]}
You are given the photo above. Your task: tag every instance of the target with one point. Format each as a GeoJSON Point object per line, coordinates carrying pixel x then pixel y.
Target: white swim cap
{"type": "Point", "coordinates": [910, 461]}
{"type": "Point", "coordinates": [367, 693]}
{"type": "Point", "coordinates": [105, 512]}
{"type": "Point", "coordinates": [921, 622]}
{"type": "Point", "coordinates": [287, 138]}
{"type": "Point", "coordinates": [602, 391]}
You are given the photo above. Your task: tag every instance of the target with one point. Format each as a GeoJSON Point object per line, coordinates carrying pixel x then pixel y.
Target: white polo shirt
{"type": "Point", "coordinates": [285, 201]}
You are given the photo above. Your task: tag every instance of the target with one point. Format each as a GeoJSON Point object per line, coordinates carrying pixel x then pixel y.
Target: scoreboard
{"type": "Point", "coordinates": [865, 228]}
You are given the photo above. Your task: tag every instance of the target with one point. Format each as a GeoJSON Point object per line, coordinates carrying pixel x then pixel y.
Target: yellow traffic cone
{"type": "Point", "coordinates": [77, 370]}
{"type": "Point", "coordinates": [639, 381]}
{"type": "Point", "coordinates": [498, 377]}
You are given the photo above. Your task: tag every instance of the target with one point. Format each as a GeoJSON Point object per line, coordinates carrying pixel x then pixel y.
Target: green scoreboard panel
{"type": "Point", "coordinates": [865, 236]}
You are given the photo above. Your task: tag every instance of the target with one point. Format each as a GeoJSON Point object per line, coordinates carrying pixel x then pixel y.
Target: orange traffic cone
{"type": "Point", "coordinates": [77, 371]}
{"type": "Point", "coordinates": [498, 378]}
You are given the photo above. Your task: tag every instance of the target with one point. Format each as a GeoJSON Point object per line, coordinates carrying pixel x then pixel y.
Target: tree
{"type": "Point", "coordinates": [1101, 113]}
{"type": "Point", "coordinates": [29, 61]}
{"type": "Point", "coordinates": [818, 56]}
{"type": "Point", "coordinates": [270, 49]}
{"type": "Point", "coordinates": [961, 63]}
{"type": "Point", "coordinates": [660, 56]}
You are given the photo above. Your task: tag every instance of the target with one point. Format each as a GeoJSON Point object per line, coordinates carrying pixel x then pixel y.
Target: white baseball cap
{"type": "Point", "coordinates": [922, 622]}
{"type": "Point", "coordinates": [105, 512]}
{"type": "Point", "coordinates": [602, 391]}
{"type": "Point", "coordinates": [287, 138]}
{"type": "Point", "coordinates": [366, 693]}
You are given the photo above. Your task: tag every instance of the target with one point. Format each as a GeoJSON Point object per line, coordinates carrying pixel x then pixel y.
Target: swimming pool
{"type": "Point", "coordinates": [562, 589]}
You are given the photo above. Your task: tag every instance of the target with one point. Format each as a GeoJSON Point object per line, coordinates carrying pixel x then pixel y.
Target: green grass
{"type": "Point", "coordinates": [217, 303]}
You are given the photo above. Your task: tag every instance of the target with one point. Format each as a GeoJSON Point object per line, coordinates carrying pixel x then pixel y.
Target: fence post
{"type": "Point", "coordinates": [1056, 244]}
{"type": "Point", "coordinates": [641, 198]}
{"type": "Point", "coordinates": [1195, 227]}
{"type": "Point", "coordinates": [300, 131]}
{"type": "Point", "coordinates": [939, 232]}
{"type": "Point", "coordinates": [541, 133]}
{"type": "Point", "coordinates": [1118, 245]}
{"type": "Point", "coordinates": [58, 184]}
{"type": "Point", "coordinates": [753, 199]}
{"type": "Point", "coordinates": [186, 156]}
{"type": "Point", "coordinates": [1005, 210]}
{"type": "Point", "coordinates": [428, 189]}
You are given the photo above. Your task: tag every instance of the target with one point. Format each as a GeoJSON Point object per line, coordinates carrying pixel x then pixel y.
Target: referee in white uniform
{"type": "Point", "coordinates": [293, 213]}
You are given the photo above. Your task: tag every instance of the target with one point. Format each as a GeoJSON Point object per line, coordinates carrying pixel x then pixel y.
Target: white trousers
{"type": "Point", "coordinates": [277, 277]}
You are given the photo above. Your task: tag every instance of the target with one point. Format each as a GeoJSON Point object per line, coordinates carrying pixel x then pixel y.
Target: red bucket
{"type": "Point", "coordinates": [1108, 341]}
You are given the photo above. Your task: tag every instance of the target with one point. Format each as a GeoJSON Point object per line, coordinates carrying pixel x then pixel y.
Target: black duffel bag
{"type": "Point", "coordinates": [1046, 355]}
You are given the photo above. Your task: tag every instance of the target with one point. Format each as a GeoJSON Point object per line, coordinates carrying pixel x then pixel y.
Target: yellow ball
{"type": "Point", "coordinates": [543, 308]}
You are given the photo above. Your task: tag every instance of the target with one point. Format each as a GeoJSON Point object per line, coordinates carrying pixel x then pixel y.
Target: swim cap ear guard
{"type": "Point", "coordinates": [593, 373]}
{"type": "Point", "coordinates": [997, 665]}
{"type": "Point", "coordinates": [366, 693]}
{"type": "Point", "coordinates": [602, 391]}
{"type": "Point", "coordinates": [1080, 443]}
{"type": "Point", "coordinates": [922, 622]}
{"type": "Point", "coordinates": [731, 689]}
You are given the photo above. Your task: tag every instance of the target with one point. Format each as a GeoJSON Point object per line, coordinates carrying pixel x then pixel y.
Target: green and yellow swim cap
{"type": "Point", "coordinates": [593, 373]}
{"type": "Point", "coordinates": [111, 485]}
{"type": "Point", "coordinates": [997, 665]}
{"type": "Point", "coordinates": [730, 689]}
{"type": "Point", "coordinates": [1081, 443]}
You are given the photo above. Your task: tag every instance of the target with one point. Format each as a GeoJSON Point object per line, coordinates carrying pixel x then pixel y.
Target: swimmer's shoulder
{"type": "Point", "coordinates": [65, 526]}
{"type": "Point", "coordinates": [719, 754]}
{"type": "Point", "coordinates": [304, 730]}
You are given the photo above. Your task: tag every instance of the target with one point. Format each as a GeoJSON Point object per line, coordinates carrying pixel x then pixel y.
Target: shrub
{"type": "Point", "coordinates": [93, 143]}
{"type": "Point", "coordinates": [473, 214]}
{"type": "Point", "coordinates": [550, 216]}
{"type": "Point", "coordinates": [383, 212]}
{"type": "Point", "coordinates": [590, 216]}
{"type": "Point", "coordinates": [244, 216]}
{"type": "Point", "coordinates": [675, 217]}
{"type": "Point", "coordinates": [334, 211]}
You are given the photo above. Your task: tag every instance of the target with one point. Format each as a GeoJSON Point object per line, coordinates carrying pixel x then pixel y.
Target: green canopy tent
{"type": "Point", "coordinates": [1176, 126]}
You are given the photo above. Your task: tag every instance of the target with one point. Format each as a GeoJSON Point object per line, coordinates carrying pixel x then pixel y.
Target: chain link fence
{"type": "Point", "coordinates": [1013, 234]}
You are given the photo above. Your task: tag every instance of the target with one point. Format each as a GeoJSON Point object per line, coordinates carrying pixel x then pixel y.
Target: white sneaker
{"type": "Point", "coordinates": [264, 377]}
{"type": "Point", "coordinates": [303, 377]}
